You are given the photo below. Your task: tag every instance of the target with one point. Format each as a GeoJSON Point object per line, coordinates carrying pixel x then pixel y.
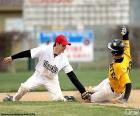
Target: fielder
{"type": "Point", "coordinates": [117, 87]}
{"type": "Point", "coordinates": [51, 59]}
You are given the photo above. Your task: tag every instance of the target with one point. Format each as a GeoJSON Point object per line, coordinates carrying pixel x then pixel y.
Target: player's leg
{"type": "Point", "coordinates": [33, 82]}
{"type": "Point", "coordinates": [21, 91]}
{"type": "Point", "coordinates": [102, 92]}
{"type": "Point", "coordinates": [54, 89]}
{"type": "Point", "coordinates": [100, 85]}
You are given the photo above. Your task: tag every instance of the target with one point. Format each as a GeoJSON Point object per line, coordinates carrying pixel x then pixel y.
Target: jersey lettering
{"type": "Point", "coordinates": [50, 67]}
{"type": "Point", "coordinates": [112, 73]}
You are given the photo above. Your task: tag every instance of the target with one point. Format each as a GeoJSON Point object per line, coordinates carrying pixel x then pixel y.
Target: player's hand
{"type": "Point", "coordinates": [115, 101]}
{"type": "Point", "coordinates": [124, 32]}
{"type": "Point", "coordinates": [7, 60]}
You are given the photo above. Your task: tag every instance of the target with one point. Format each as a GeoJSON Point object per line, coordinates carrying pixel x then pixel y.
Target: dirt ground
{"type": "Point", "coordinates": [134, 100]}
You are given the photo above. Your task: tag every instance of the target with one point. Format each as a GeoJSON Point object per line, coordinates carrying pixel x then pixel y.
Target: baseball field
{"type": "Point", "coordinates": [38, 103]}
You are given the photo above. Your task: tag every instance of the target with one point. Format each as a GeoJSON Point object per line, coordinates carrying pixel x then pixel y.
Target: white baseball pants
{"type": "Point", "coordinates": [103, 92]}
{"type": "Point", "coordinates": [37, 80]}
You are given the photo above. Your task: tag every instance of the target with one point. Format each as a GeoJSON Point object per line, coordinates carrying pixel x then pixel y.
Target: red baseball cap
{"type": "Point", "coordinates": [62, 40]}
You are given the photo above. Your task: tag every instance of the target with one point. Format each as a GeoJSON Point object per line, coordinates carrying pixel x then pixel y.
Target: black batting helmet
{"type": "Point", "coordinates": [116, 47]}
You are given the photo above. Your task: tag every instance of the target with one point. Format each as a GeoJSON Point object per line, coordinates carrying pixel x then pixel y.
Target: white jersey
{"type": "Point", "coordinates": [48, 65]}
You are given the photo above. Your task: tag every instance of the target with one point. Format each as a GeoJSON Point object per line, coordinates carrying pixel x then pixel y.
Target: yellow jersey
{"type": "Point", "coordinates": [119, 71]}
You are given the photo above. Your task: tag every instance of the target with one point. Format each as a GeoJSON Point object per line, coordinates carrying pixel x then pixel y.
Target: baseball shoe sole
{"type": "Point", "coordinates": [8, 98]}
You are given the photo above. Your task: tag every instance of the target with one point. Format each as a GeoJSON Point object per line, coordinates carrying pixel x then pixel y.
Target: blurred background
{"type": "Point", "coordinates": [88, 24]}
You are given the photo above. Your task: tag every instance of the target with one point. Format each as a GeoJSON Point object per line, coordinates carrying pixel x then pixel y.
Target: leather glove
{"type": "Point", "coordinates": [86, 95]}
{"type": "Point", "coordinates": [124, 32]}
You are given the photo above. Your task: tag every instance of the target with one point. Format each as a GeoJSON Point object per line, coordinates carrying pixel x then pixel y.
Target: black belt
{"type": "Point", "coordinates": [112, 89]}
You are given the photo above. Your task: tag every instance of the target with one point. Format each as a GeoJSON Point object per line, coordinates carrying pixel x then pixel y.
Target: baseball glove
{"type": "Point", "coordinates": [86, 95]}
{"type": "Point", "coordinates": [124, 32]}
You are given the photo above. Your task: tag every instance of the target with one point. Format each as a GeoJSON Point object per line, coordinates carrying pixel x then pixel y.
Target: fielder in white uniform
{"type": "Point", "coordinates": [51, 59]}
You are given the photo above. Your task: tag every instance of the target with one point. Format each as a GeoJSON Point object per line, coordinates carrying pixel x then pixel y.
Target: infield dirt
{"type": "Point", "coordinates": [134, 100]}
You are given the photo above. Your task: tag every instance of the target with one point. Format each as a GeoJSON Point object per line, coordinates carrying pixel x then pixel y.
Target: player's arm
{"type": "Point", "coordinates": [84, 94]}
{"type": "Point", "coordinates": [126, 82]}
{"type": "Point", "coordinates": [76, 82]}
{"type": "Point", "coordinates": [18, 55]}
{"type": "Point", "coordinates": [125, 98]}
{"type": "Point", "coordinates": [125, 37]}
{"type": "Point", "coordinates": [128, 87]}
{"type": "Point", "coordinates": [22, 54]}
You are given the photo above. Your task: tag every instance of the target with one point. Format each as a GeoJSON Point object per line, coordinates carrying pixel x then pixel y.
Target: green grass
{"type": "Point", "coordinates": [11, 82]}
{"type": "Point", "coordinates": [60, 109]}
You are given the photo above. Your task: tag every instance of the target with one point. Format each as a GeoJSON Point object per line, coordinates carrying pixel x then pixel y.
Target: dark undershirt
{"type": "Point", "coordinates": [76, 82]}
{"type": "Point", "coordinates": [22, 54]}
{"type": "Point", "coordinates": [55, 55]}
{"type": "Point", "coordinates": [119, 60]}
{"type": "Point", "coordinates": [128, 87]}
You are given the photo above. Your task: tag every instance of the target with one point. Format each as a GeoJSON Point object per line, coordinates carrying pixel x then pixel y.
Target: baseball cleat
{"type": "Point", "coordinates": [70, 98]}
{"type": "Point", "coordinates": [8, 98]}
